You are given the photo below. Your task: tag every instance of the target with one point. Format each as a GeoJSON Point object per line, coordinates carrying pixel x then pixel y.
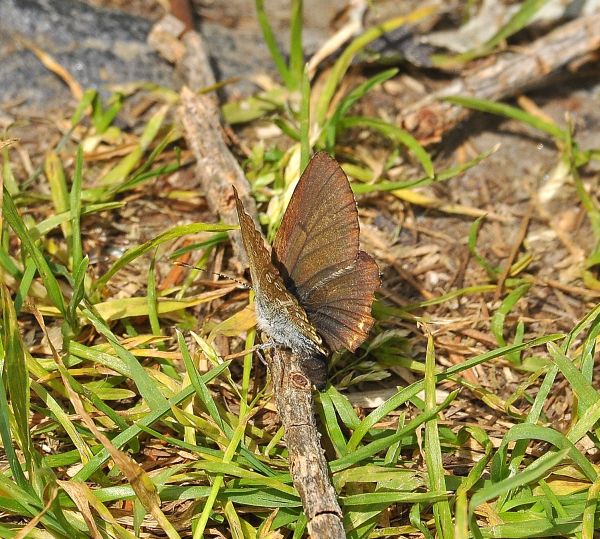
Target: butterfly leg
{"type": "Point", "coordinates": [266, 345]}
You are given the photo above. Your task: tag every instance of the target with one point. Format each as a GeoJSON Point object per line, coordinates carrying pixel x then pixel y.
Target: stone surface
{"type": "Point", "coordinates": [100, 47]}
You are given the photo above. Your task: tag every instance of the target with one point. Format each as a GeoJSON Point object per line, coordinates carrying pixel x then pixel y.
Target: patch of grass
{"type": "Point", "coordinates": [116, 420]}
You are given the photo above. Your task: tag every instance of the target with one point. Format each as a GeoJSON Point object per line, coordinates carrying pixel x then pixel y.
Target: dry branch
{"type": "Point", "coordinates": [217, 171]}
{"type": "Point", "coordinates": [216, 168]}
{"type": "Point", "coordinates": [510, 74]}
{"type": "Point", "coordinates": [294, 400]}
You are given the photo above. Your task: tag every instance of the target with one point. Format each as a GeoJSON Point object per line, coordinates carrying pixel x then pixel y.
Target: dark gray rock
{"type": "Point", "coordinates": [100, 47]}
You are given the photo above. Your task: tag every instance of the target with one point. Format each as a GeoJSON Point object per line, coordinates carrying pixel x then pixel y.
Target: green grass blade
{"type": "Point", "coordinates": [43, 227]}
{"type": "Point", "coordinates": [586, 423]}
{"type": "Point", "coordinates": [75, 207]}
{"type": "Point", "coordinates": [146, 385]}
{"type": "Point", "coordinates": [534, 471]}
{"type": "Point", "coordinates": [410, 391]}
{"type": "Point", "coordinates": [296, 69]}
{"type": "Point", "coordinates": [331, 126]}
{"type": "Point", "coordinates": [433, 450]}
{"type": "Point", "coordinates": [343, 408]}
{"type": "Point", "coordinates": [447, 174]}
{"type": "Point", "coordinates": [476, 473]}
{"type": "Point", "coordinates": [16, 223]}
{"type": "Point", "coordinates": [385, 499]}
{"type": "Point", "coordinates": [64, 420]}
{"type": "Point", "coordinates": [152, 301]}
{"type": "Point", "coordinates": [581, 387]}
{"type": "Point", "coordinates": [589, 528]}
{"type": "Point", "coordinates": [25, 284]}
{"type": "Point", "coordinates": [472, 245]}
{"type": "Point", "coordinates": [175, 232]}
{"type": "Point", "coordinates": [7, 263]}
{"type": "Point", "coordinates": [86, 101]}
{"type": "Point", "coordinates": [499, 317]}
{"type": "Point", "coordinates": [16, 377]}
{"type": "Point", "coordinates": [58, 188]}
{"type": "Point", "coordinates": [8, 178]}
{"type": "Point", "coordinates": [357, 455]}
{"type": "Point", "coordinates": [526, 431]}
{"type": "Point", "coordinates": [201, 390]}
{"type": "Point", "coordinates": [103, 117]}
{"type": "Point", "coordinates": [396, 134]}
{"type": "Point", "coordinates": [119, 173]}
{"type": "Point", "coordinates": [508, 111]}
{"type": "Point", "coordinates": [218, 480]}
{"type": "Point", "coordinates": [5, 434]}
{"type": "Point", "coordinates": [78, 291]}
{"type": "Point", "coordinates": [330, 422]}
{"type": "Point", "coordinates": [133, 431]}
{"type": "Point", "coordinates": [271, 44]}
{"type": "Point", "coordinates": [516, 23]}
{"type": "Point", "coordinates": [305, 120]}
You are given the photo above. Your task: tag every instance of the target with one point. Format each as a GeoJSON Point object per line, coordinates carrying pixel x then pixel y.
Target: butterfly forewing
{"type": "Point", "coordinates": [276, 305]}
{"type": "Point", "coordinates": [317, 252]}
{"type": "Point", "coordinates": [319, 231]}
{"type": "Point", "coordinates": [259, 260]}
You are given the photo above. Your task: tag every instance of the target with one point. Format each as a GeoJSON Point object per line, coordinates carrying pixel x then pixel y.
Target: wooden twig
{"type": "Point", "coordinates": [511, 73]}
{"type": "Point", "coordinates": [514, 251]}
{"type": "Point", "coordinates": [216, 168]}
{"type": "Point", "coordinates": [217, 171]}
{"type": "Point", "coordinates": [308, 466]}
{"type": "Point", "coordinates": [182, 9]}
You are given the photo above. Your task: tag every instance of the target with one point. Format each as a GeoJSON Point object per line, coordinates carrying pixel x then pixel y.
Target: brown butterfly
{"type": "Point", "coordinates": [313, 293]}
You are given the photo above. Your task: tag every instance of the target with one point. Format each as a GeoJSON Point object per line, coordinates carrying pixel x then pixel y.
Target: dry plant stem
{"type": "Point", "coordinates": [195, 66]}
{"type": "Point", "coordinates": [514, 251]}
{"type": "Point", "coordinates": [216, 168]}
{"type": "Point", "coordinates": [510, 73]}
{"type": "Point", "coordinates": [356, 10]}
{"type": "Point", "coordinates": [182, 9]}
{"type": "Point", "coordinates": [295, 405]}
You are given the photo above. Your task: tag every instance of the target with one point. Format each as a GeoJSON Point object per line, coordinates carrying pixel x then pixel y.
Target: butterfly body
{"type": "Point", "coordinates": [287, 324]}
{"type": "Point", "coordinates": [313, 293]}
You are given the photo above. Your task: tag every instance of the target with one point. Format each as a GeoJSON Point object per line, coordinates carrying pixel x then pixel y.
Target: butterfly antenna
{"type": "Point", "coordinates": [225, 276]}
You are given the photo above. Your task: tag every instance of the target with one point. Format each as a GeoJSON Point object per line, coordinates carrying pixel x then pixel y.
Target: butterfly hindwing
{"type": "Point", "coordinates": [341, 310]}
{"type": "Point", "coordinates": [317, 252]}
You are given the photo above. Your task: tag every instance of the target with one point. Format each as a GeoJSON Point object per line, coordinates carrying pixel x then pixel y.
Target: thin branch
{"type": "Point", "coordinates": [216, 168]}
{"type": "Point", "coordinates": [308, 466]}
{"type": "Point", "coordinates": [510, 73]}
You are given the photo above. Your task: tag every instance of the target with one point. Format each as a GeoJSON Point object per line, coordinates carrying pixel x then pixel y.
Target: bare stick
{"type": "Point", "coordinates": [216, 168]}
{"type": "Point", "coordinates": [217, 171]}
{"type": "Point", "coordinates": [308, 466]}
{"type": "Point", "coordinates": [510, 74]}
